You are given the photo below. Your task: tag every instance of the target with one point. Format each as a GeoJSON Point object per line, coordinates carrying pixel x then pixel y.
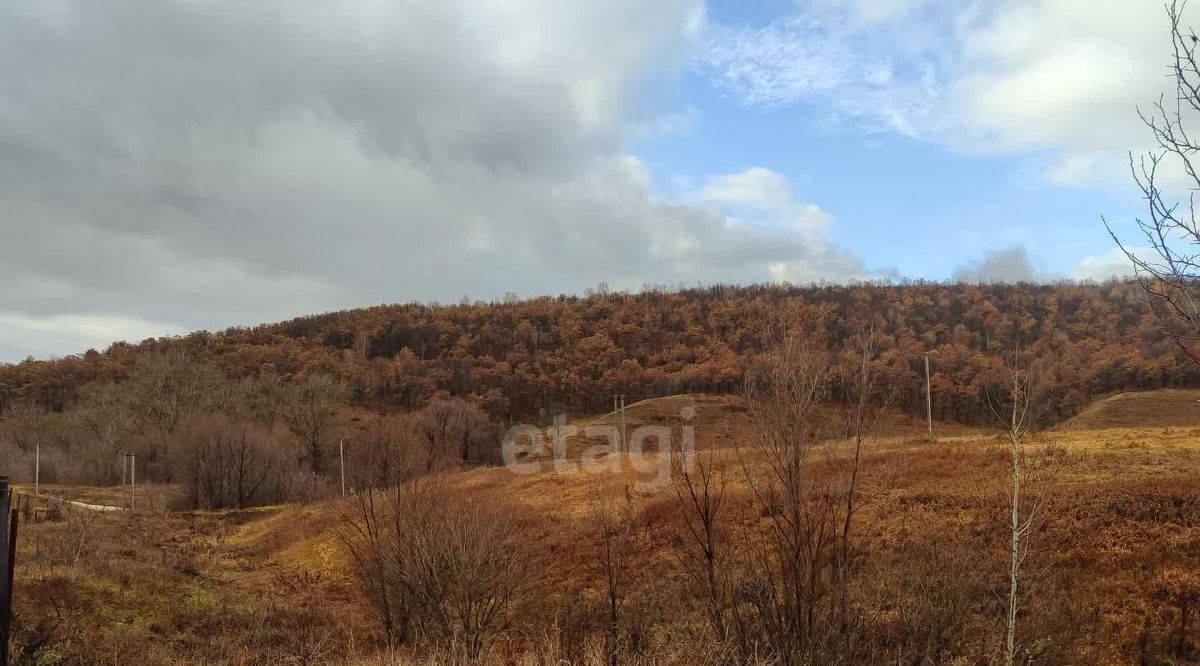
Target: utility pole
{"type": "Point", "coordinates": [8, 539]}
{"type": "Point", "coordinates": [342, 460]}
{"type": "Point", "coordinates": [623, 446]}
{"type": "Point", "coordinates": [928, 397]}
{"type": "Point", "coordinates": [37, 467]}
{"type": "Point", "coordinates": [132, 479]}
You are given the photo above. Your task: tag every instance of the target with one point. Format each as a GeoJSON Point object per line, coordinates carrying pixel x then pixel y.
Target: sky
{"type": "Point", "coordinates": [174, 165]}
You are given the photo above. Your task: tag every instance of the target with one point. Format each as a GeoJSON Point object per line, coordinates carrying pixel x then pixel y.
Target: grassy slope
{"type": "Point", "coordinates": [1168, 407]}
{"type": "Point", "coordinates": [240, 586]}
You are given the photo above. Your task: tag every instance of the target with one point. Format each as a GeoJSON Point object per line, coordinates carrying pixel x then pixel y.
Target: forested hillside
{"type": "Point", "coordinates": [526, 359]}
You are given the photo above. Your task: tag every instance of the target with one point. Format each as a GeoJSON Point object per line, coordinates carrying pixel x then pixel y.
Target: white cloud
{"type": "Point", "coordinates": [877, 63]}
{"type": "Point", "coordinates": [675, 123]}
{"type": "Point", "coordinates": [1059, 79]}
{"type": "Point", "coordinates": [1110, 265]}
{"type": "Point", "coordinates": [1066, 76]}
{"type": "Point", "coordinates": [755, 186]}
{"type": "Point", "coordinates": [762, 199]}
{"type": "Point", "coordinates": [879, 10]}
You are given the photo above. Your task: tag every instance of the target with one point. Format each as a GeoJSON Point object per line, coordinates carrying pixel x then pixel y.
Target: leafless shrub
{"type": "Point", "coordinates": [228, 464]}
{"type": "Point", "coordinates": [463, 567]}
{"type": "Point", "coordinates": [787, 584]}
{"type": "Point", "coordinates": [80, 529]}
{"type": "Point", "coordinates": [370, 530]}
{"type": "Point", "coordinates": [297, 483]}
{"type": "Point", "coordinates": [612, 529]}
{"type": "Point", "coordinates": [448, 563]}
{"type": "Point", "coordinates": [306, 639]}
{"type": "Point", "coordinates": [390, 451]}
{"type": "Point", "coordinates": [935, 596]}
{"type": "Point", "coordinates": [72, 536]}
{"type": "Point", "coordinates": [454, 429]}
{"type": "Point", "coordinates": [700, 483]}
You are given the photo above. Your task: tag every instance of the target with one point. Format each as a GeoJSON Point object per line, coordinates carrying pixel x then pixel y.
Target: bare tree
{"type": "Point", "coordinates": [453, 428]}
{"type": "Point", "coordinates": [791, 584]}
{"type": "Point", "coordinates": [432, 558]}
{"type": "Point", "coordinates": [1014, 410]}
{"type": "Point", "coordinates": [228, 463]}
{"type": "Point", "coordinates": [109, 420]}
{"type": "Point", "coordinates": [612, 521]}
{"type": "Point", "coordinates": [27, 425]}
{"type": "Point", "coordinates": [310, 412]}
{"type": "Point", "coordinates": [699, 481]}
{"type": "Point", "coordinates": [866, 400]}
{"type": "Point", "coordinates": [262, 398]}
{"type": "Point", "coordinates": [1169, 273]}
{"type": "Point", "coordinates": [162, 391]}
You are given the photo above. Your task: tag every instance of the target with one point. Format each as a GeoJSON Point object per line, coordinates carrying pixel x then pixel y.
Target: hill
{"type": "Point", "coordinates": [725, 420]}
{"type": "Point", "coordinates": [1165, 408]}
{"type": "Point", "coordinates": [523, 360]}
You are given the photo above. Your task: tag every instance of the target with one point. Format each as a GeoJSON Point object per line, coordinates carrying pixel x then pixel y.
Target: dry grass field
{"type": "Point", "coordinates": [1113, 570]}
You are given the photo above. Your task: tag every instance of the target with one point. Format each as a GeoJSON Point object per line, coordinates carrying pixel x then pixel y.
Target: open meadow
{"type": "Point", "coordinates": [1115, 562]}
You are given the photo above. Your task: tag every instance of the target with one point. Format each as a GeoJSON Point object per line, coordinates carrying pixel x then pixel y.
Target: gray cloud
{"type": "Point", "coordinates": [1011, 264]}
{"type": "Point", "coordinates": [170, 165]}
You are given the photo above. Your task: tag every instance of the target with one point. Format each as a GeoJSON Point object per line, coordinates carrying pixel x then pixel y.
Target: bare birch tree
{"type": "Point", "coordinates": [1015, 412]}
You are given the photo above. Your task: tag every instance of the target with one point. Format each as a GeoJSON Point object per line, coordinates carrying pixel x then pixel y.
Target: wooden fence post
{"type": "Point", "coordinates": [8, 550]}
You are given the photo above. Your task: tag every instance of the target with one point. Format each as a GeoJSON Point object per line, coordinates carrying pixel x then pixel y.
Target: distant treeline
{"type": "Point", "coordinates": [529, 359]}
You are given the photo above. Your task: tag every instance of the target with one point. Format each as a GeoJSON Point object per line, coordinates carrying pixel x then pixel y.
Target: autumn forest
{"type": "Point", "coordinates": [528, 359]}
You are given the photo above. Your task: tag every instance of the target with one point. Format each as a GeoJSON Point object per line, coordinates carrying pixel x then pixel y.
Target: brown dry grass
{"type": "Point", "coordinates": [1140, 409]}
{"type": "Point", "coordinates": [724, 421]}
{"type": "Point", "coordinates": [150, 497]}
{"type": "Point", "coordinates": [176, 588]}
{"type": "Point", "coordinates": [272, 586]}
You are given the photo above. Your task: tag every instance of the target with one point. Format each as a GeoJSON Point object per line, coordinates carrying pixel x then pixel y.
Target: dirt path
{"type": "Point", "coordinates": [83, 505]}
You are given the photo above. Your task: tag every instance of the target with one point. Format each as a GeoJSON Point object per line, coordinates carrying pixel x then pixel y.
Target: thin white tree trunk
{"type": "Point", "coordinates": [1014, 562]}
{"type": "Point", "coordinates": [1014, 557]}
